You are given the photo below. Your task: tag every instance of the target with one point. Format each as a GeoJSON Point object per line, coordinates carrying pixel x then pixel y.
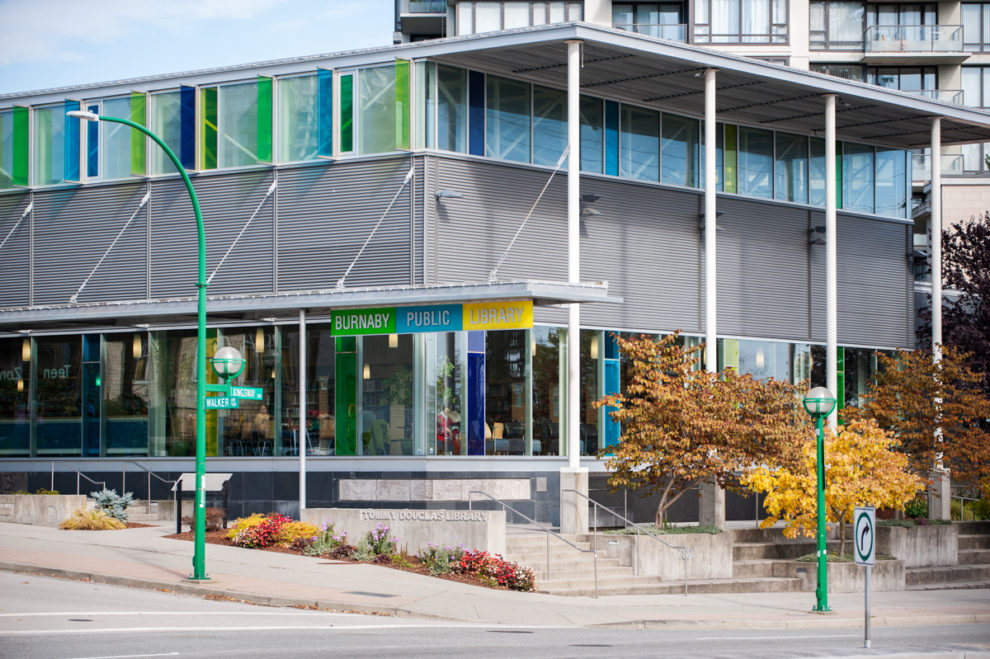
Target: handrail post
{"type": "Point", "coordinates": [547, 536]}
{"type": "Point", "coordinates": [77, 482]}
{"type": "Point", "coordinates": [123, 478]}
{"type": "Point", "coordinates": [52, 488]}
{"type": "Point", "coordinates": [595, 555]}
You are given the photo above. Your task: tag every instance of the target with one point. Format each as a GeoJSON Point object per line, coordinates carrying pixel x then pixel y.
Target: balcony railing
{"type": "Point", "coordinates": [944, 95]}
{"type": "Point", "coordinates": [914, 38]}
{"type": "Point", "coordinates": [426, 7]}
{"type": "Point", "coordinates": [952, 165]}
{"type": "Point", "coordinates": [669, 31]}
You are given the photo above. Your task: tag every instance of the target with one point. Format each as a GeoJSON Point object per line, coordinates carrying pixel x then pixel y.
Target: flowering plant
{"type": "Point", "coordinates": [380, 540]}
{"type": "Point", "coordinates": [265, 533]}
{"type": "Point", "coordinates": [495, 570]}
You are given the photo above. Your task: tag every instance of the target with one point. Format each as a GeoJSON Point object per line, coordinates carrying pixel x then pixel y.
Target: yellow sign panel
{"type": "Point", "coordinates": [498, 315]}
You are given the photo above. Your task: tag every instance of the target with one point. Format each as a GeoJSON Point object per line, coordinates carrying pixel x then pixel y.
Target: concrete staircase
{"type": "Point", "coordinates": [972, 570]}
{"type": "Point", "coordinates": [159, 511]}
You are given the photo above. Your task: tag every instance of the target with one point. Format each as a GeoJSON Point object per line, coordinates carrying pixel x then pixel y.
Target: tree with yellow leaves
{"type": "Point", "coordinates": [862, 468]}
{"type": "Point", "coordinates": [682, 426]}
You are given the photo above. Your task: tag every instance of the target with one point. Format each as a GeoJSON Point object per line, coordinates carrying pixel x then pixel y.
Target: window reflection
{"type": "Point", "coordinates": [125, 393]}
{"type": "Point", "coordinates": [15, 387]}
{"type": "Point", "coordinates": [547, 385]}
{"type": "Point", "coordinates": [386, 421]}
{"type": "Point", "coordinates": [58, 395]}
{"type": "Point", "coordinates": [505, 392]}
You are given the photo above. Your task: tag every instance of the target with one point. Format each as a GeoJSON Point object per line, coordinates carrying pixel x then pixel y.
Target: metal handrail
{"type": "Point", "coordinates": [78, 474]}
{"type": "Point", "coordinates": [686, 553]}
{"type": "Point", "coordinates": [123, 479]}
{"type": "Point", "coordinates": [547, 530]}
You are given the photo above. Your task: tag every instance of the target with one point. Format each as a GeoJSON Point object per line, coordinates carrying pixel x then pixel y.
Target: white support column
{"type": "Point", "coordinates": [831, 285]}
{"type": "Point", "coordinates": [935, 201]}
{"type": "Point", "coordinates": [712, 502]}
{"type": "Point", "coordinates": [301, 438]}
{"type": "Point", "coordinates": [711, 183]}
{"type": "Point", "coordinates": [573, 508]}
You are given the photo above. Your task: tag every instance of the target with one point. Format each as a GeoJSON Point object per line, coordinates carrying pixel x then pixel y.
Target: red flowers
{"type": "Point", "coordinates": [495, 570]}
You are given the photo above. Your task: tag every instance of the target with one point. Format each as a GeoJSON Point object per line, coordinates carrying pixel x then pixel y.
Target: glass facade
{"type": "Point", "coordinates": [165, 116]}
{"type": "Point", "coordinates": [6, 149]}
{"type": "Point", "coordinates": [299, 119]}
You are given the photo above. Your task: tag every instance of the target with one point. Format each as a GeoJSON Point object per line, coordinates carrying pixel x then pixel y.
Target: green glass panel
{"type": "Point", "coordinates": [838, 174]}
{"type": "Point", "coordinates": [347, 113]}
{"type": "Point", "coordinates": [264, 119]}
{"type": "Point", "coordinates": [209, 148]}
{"type": "Point", "coordinates": [139, 143]}
{"type": "Point", "coordinates": [6, 149]}
{"type": "Point", "coordinates": [730, 353]}
{"type": "Point", "coordinates": [346, 400]}
{"type": "Point", "coordinates": [402, 104]}
{"type": "Point", "coordinates": [21, 146]}
{"type": "Point", "coordinates": [731, 155]}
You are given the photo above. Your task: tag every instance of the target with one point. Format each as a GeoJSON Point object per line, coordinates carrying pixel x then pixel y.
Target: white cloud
{"type": "Point", "coordinates": [60, 30]}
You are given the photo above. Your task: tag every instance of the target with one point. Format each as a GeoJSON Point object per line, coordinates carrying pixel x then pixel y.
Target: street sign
{"type": "Point", "coordinates": [220, 402]}
{"type": "Point", "coordinates": [250, 393]}
{"type": "Point", "coordinates": [864, 535]}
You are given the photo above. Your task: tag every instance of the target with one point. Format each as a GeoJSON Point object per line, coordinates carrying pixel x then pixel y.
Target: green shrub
{"type": "Point", "coordinates": [982, 509]}
{"type": "Point", "coordinates": [112, 503]}
{"type": "Point", "coordinates": [380, 540]}
{"type": "Point", "coordinates": [294, 533]}
{"type": "Point", "coordinates": [917, 508]}
{"type": "Point", "coordinates": [91, 520]}
{"type": "Point", "coordinates": [363, 551]}
{"type": "Point", "coordinates": [327, 541]}
{"type": "Point", "coordinates": [440, 560]}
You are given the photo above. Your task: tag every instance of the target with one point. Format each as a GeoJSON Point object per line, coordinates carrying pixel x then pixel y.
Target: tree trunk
{"type": "Point", "coordinates": [842, 535]}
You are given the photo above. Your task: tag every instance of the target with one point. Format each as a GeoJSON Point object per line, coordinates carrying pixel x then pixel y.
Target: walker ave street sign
{"type": "Point", "coordinates": [220, 402]}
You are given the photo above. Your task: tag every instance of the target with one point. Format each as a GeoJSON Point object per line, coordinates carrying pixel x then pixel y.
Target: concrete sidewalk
{"type": "Point", "coordinates": [145, 558]}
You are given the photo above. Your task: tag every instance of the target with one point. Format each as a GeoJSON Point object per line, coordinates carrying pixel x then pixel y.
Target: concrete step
{"type": "Point", "coordinates": [973, 528]}
{"type": "Point", "coordinates": [744, 585]}
{"type": "Point", "coordinates": [969, 585]}
{"type": "Point", "coordinates": [745, 569]}
{"type": "Point", "coordinates": [945, 574]}
{"type": "Point", "coordinates": [974, 556]}
{"type": "Point", "coordinates": [586, 573]}
{"type": "Point", "coordinates": [969, 541]}
{"type": "Point", "coordinates": [540, 557]}
{"type": "Point", "coordinates": [576, 567]}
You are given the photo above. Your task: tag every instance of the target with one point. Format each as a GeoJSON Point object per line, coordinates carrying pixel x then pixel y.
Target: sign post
{"type": "Point", "coordinates": [864, 540]}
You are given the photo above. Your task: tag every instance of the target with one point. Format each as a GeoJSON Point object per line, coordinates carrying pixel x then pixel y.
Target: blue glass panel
{"type": "Point", "coordinates": [93, 144]}
{"type": "Point", "coordinates": [612, 428]}
{"type": "Point", "coordinates": [71, 142]}
{"type": "Point", "coordinates": [476, 403]}
{"type": "Point", "coordinates": [324, 101]}
{"type": "Point", "coordinates": [476, 341]}
{"type": "Point", "coordinates": [611, 345]}
{"type": "Point", "coordinates": [476, 116]}
{"type": "Point", "coordinates": [187, 131]}
{"type": "Point", "coordinates": [612, 138]}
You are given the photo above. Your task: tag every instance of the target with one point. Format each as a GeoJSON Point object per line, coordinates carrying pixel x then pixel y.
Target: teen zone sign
{"type": "Point", "coordinates": [517, 314]}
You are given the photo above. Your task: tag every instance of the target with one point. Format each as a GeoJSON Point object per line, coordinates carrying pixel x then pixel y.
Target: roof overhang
{"type": "Point", "coordinates": [233, 308]}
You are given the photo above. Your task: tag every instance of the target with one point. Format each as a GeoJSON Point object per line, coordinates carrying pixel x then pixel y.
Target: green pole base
{"type": "Point", "coordinates": [193, 577]}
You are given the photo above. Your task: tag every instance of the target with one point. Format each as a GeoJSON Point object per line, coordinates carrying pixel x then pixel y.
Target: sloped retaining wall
{"type": "Point", "coordinates": [712, 554]}
{"type": "Point", "coordinates": [40, 509]}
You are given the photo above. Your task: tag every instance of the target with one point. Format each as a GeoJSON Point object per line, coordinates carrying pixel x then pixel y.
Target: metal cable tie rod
{"type": "Point", "coordinates": [17, 224]}
{"type": "Point", "coordinates": [144, 200]}
{"type": "Point", "coordinates": [268, 194]}
{"type": "Point", "coordinates": [560, 162]}
{"type": "Point", "coordinates": [409, 174]}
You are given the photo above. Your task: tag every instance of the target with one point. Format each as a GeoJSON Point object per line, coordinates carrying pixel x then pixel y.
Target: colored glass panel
{"type": "Point", "coordinates": [237, 128]}
{"type": "Point", "coordinates": [347, 113]}
{"type": "Point", "coordinates": [612, 138]}
{"type": "Point", "coordinates": [187, 129]}
{"type": "Point", "coordinates": [730, 159]}
{"type": "Point", "coordinates": [376, 116]}
{"type": "Point", "coordinates": [49, 145]}
{"type": "Point", "coordinates": [264, 128]}
{"type": "Point", "coordinates": [345, 399]}
{"type": "Point", "coordinates": [298, 124]}
{"type": "Point", "coordinates": [403, 104]}
{"type": "Point", "coordinates": [324, 112]}
{"type": "Point", "coordinates": [476, 403]}
{"type": "Point", "coordinates": [452, 109]}
{"type": "Point", "coordinates": [549, 125]}
{"type": "Point", "coordinates": [208, 152]}
{"type": "Point", "coordinates": [612, 428]}
{"type": "Point", "coordinates": [165, 117]}
{"type": "Point", "coordinates": [72, 142]}
{"type": "Point", "coordinates": [476, 113]}
{"type": "Point", "coordinates": [21, 146]}
{"type": "Point", "coordinates": [115, 139]}
{"type": "Point", "coordinates": [139, 142]}
{"type": "Point", "coordinates": [6, 150]}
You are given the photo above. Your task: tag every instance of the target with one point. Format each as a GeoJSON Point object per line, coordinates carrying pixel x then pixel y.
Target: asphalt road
{"type": "Point", "coordinates": [54, 618]}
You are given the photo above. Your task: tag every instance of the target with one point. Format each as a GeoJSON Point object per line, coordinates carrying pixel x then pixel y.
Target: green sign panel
{"type": "Point", "coordinates": [354, 322]}
{"type": "Point", "coordinates": [250, 393]}
{"type": "Point", "coordinates": [220, 402]}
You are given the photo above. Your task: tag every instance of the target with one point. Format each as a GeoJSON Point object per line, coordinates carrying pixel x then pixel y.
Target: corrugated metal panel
{"type": "Point", "coordinates": [762, 269]}
{"type": "Point", "coordinates": [873, 283]}
{"type": "Point", "coordinates": [227, 203]}
{"type": "Point", "coordinates": [418, 208]}
{"type": "Point", "coordinates": [15, 255]}
{"type": "Point", "coordinates": [644, 241]}
{"type": "Point", "coordinates": [429, 213]}
{"type": "Point", "coordinates": [816, 280]}
{"type": "Point", "coordinates": [327, 213]}
{"type": "Point", "coordinates": [72, 231]}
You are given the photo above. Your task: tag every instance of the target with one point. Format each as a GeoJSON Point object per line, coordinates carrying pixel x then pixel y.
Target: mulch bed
{"type": "Point", "coordinates": [220, 538]}
{"type": "Point", "coordinates": [138, 525]}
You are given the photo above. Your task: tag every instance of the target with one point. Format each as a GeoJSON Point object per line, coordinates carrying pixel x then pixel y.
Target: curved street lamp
{"type": "Point", "coordinates": [819, 403]}
{"type": "Point", "coordinates": [199, 508]}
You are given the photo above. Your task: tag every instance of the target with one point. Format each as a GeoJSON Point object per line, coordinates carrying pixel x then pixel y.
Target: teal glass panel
{"type": "Point", "coordinates": [347, 114]}
{"type": "Point", "coordinates": [93, 144]}
{"type": "Point", "coordinates": [325, 112]}
{"type": "Point", "coordinates": [791, 168]}
{"type": "Point", "coordinates": [265, 104]}
{"type": "Point", "coordinates": [592, 112]}
{"type": "Point", "coordinates": [72, 142]}
{"type": "Point", "coordinates": [299, 127]}
{"type": "Point", "coordinates": [15, 388]}
{"type": "Point", "coordinates": [639, 144]}
{"type": "Point", "coordinates": [237, 127]}
{"type": "Point", "coordinates": [755, 162]}
{"type": "Point", "coordinates": [125, 392]}
{"type": "Point", "coordinates": [115, 142]}
{"type": "Point", "coordinates": [376, 115]}
{"type": "Point", "coordinates": [816, 172]}
{"type": "Point", "coordinates": [719, 138]}
{"type": "Point", "coordinates": [58, 395]}
{"type": "Point", "coordinates": [49, 145]}
{"type": "Point", "coordinates": [6, 150]}
{"type": "Point", "coordinates": [680, 157]}
{"type": "Point", "coordinates": [507, 114]}
{"type": "Point", "coordinates": [166, 123]}
{"type": "Point", "coordinates": [892, 183]}
{"type": "Point", "coordinates": [612, 138]}
{"type": "Point", "coordinates": [452, 109]}
{"type": "Point", "coordinates": [549, 125]}
{"type": "Point", "coordinates": [857, 177]}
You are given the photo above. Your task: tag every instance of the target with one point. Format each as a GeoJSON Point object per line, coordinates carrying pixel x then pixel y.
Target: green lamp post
{"type": "Point", "coordinates": [199, 508]}
{"type": "Point", "coordinates": [819, 403]}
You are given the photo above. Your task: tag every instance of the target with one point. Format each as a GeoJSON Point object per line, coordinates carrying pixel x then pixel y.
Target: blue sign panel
{"type": "Point", "coordinates": [432, 318]}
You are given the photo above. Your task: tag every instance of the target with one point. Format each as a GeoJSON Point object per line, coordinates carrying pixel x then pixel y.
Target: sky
{"type": "Point", "coordinates": [58, 43]}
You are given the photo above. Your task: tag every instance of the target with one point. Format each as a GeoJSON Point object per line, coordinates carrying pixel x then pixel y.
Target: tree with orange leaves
{"type": "Point", "coordinates": [682, 426]}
